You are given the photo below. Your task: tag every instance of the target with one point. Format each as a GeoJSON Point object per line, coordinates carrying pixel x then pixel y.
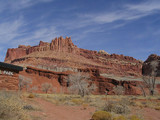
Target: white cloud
{"type": "Point", "coordinates": [9, 30]}
{"type": "Point", "coordinates": [43, 33]}
{"type": "Point", "coordinates": [16, 32]}
{"type": "Point", "coordinates": [14, 5]}
{"type": "Point", "coordinates": [146, 7]}
{"type": "Point", "coordinates": [128, 12]}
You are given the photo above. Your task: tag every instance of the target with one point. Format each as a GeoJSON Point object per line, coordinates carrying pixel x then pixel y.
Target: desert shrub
{"type": "Point", "coordinates": [11, 107]}
{"type": "Point", "coordinates": [77, 101]}
{"type": "Point", "coordinates": [157, 108]}
{"type": "Point", "coordinates": [109, 106]}
{"type": "Point", "coordinates": [31, 95]}
{"type": "Point", "coordinates": [120, 109]}
{"type": "Point", "coordinates": [28, 107]}
{"type": "Point", "coordinates": [120, 118]}
{"type": "Point", "coordinates": [116, 107]}
{"type": "Point", "coordinates": [46, 87]}
{"type": "Point", "coordinates": [24, 82]}
{"type": "Point", "coordinates": [127, 101]}
{"type": "Point", "coordinates": [87, 99]}
{"type": "Point", "coordinates": [102, 115]}
{"type": "Point", "coordinates": [34, 88]}
{"type": "Point", "coordinates": [134, 117]}
{"type": "Point", "coordinates": [84, 106]}
{"type": "Point", "coordinates": [119, 90]}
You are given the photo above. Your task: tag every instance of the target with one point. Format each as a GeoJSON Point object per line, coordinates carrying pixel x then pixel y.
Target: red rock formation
{"type": "Point", "coordinates": [15, 53]}
{"type": "Point", "coordinates": [62, 52]}
{"type": "Point", "coordinates": [63, 45]}
{"type": "Point", "coordinates": [58, 44]}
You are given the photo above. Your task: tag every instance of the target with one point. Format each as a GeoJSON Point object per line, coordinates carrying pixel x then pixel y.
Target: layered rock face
{"type": "Point", "coordinates": [58, 80]}
{"type": "Point", "coordinates": [62, 52]}
{"type": "Point", "coordinates": [62, 55]}
{"type": "Point", "coordinates": [9, 82]}
{"type": "Point", "coordinates": [150, 63]}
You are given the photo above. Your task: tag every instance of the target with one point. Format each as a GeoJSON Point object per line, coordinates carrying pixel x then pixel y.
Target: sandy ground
{"type": "Point", "coordinates": [151, 114]}
{"type": "Point", "coordinates": [50, 111]}
{"type": "Point", "coordinates": [58, 112]}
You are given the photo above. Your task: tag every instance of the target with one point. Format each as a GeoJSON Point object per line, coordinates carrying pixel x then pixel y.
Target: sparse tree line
{"type": "Point", "coordinates": [25, 83]}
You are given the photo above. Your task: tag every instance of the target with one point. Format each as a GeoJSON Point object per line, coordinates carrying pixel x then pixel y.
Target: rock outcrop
{"type": "Point", "coordinates": [58, 44]}
{"type": "Point", "coordinates": [152, 61]}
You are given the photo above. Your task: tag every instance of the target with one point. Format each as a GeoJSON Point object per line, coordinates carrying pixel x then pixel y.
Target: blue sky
{"type": "Point", "coordinates": [129, 27]}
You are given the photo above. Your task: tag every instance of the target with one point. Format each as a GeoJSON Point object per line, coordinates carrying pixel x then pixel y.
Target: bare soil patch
{"type": "Point", "coordinates": [50, 111]}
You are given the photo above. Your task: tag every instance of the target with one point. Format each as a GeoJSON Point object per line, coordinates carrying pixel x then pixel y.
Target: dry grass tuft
{"type": "Point", "coordinates": [11, 107]}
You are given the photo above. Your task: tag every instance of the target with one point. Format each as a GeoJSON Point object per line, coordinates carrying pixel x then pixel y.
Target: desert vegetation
{"type": "Point", "coordinates": [11, 106]}
{"type": "Point", "coordinates": [20, 106]}
{"type": "Point", "coordinates": [79, 84]}
{"type": "Point", "coordinates": [119, 90]}
{"type": "Point", "coordinates": [24, 82]}
{"type": "Point", "coordinates": [149, 81]}
{"type": "Point", "coordinates": [46, 87]}
{"type": "Point", "coordinates": [117, 106]}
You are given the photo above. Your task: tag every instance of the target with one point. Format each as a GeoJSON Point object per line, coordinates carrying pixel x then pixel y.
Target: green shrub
{"type": "Point", "coordinates": [101, 115]}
